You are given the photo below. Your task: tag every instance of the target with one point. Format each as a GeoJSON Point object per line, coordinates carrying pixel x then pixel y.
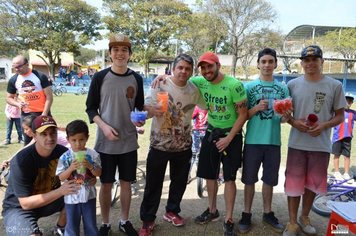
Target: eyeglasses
{"type": "Point", "coordinates": [19, 66]}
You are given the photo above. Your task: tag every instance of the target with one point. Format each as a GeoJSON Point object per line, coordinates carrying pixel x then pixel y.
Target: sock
{"type": "Point", "coordinates": [107, 224]}
{"type": "Point", "coordinates": [61, 227]}
{"type": "Point", "coordinates": [122, 222]}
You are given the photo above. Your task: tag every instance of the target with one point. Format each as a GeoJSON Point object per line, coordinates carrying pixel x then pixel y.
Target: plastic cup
{"type": "Point", "coordinates": [80, 157]}
{"type": "Point", "coordinates": [162, 99]}
{"type": "Point", "coordinates": [138, 116]}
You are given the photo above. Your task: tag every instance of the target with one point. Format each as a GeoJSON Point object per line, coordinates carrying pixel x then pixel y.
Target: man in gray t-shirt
{"type": "Point", "coordinates": [318, 103]}
{"type": "Point", "coordinates": [115, 92]}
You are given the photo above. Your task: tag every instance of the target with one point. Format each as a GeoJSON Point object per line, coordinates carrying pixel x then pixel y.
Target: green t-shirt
{"type": "Point", "coordinates": [265, 126]}
{"type": "Point", "coordinates": [220, 99]}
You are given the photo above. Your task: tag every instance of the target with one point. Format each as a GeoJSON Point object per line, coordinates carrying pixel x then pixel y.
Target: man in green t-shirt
{"type": "Point", "coordinates": [263, 140]}
{"type": "Point", "coordinates": [225, 99]}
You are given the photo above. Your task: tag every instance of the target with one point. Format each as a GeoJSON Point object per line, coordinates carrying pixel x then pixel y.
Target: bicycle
{"type": "Point", "coordinates": [338, 190]}
{"type": "Point", "coordinates": [57, 90]}
{"type": "Point", "coordinates": [141, 175]}
{"type": "Point", "coordinates": [198, 135]}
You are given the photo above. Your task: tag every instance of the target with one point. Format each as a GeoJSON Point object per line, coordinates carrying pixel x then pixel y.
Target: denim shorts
{"type": "Point", "coordinates": [254, 155]}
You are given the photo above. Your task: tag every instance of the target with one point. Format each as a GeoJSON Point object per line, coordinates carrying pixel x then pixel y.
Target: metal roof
{"type": "Point", "coordinates": [302, 32]}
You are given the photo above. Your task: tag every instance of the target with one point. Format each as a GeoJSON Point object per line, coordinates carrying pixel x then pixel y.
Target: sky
{"type": "Point", "coordinates": [292, 13]}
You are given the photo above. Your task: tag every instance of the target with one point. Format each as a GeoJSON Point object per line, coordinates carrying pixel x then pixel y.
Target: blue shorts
{"type": "Point", "coordinates": [126, 164]}
{"type": "Point", "coordinates": [24, 222]}
{"type": "Point", "coordinates": [254, 156]}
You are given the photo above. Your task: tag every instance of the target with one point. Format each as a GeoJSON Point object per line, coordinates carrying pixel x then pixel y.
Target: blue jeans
{"type": "Point", "coordinates": [9, 125]}
{"type": "Point", "coordinates": [75, 212]}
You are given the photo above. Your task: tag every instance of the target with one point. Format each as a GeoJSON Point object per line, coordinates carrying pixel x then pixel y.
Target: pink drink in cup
{"type": "Point", "coordinates": [162, 99]}
{"type": "Point", "coordinates": [80, 157]}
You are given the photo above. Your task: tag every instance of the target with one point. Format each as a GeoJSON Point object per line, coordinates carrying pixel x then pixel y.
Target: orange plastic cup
{"type": "Point", "coordinates": [162, 99]}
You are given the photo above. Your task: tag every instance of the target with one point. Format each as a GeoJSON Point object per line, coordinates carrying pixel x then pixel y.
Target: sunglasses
{"type": "Point", "coordinates": [19, 66]}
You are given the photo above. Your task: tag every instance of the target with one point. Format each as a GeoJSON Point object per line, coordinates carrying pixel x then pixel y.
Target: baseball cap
{"type": "Point", "coordinates": [349, 96]}
{"type": "Point", "coordinates": [208, 57]}
{"type": "Point", "coordinates": [311, 51]}
{"type": "Point", "coordinates": [119, 40]}
{"type": "Point", "coordinates": [41, 123]}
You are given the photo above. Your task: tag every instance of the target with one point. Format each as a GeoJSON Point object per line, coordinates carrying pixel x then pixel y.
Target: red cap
{"type": "Point", "coordinates": [41, 123]}
{"type": "Point", "coordinates": [208, 57]}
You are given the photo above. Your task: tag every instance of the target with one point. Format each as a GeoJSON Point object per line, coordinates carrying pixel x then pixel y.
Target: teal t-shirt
{"type": "Point", "coordinates": [265, 126]}
{"type": "Point", "coordinates": [220, 99]}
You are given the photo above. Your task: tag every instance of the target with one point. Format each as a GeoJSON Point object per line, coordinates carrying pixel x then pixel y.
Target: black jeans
{"type": "Point", "coordinates": [179, 164]}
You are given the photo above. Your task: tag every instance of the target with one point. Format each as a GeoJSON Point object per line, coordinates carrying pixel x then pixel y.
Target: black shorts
{"type": "Point", "coordinates": [254, 156]}
{"type": "Point", "coordinates": [210, 158]}
{"type": "Point", "coordinates": [126, 164]}
{"type": "Point", "coordinates": [342, 147]}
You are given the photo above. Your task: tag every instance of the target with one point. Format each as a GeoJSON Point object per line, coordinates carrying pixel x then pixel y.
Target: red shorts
{"type": "Point", "coordinates": [306, 169]}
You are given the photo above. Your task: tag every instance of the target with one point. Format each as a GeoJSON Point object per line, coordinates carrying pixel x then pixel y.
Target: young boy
{"type": "Point", "coordinates": [82, 164]}
{"type": "Point", "coordinates": [342, 140]}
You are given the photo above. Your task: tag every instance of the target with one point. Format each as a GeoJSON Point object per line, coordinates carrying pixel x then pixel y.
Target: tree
{"type": "Point", "coordinates": [49, 26]}
{"type": "Point", "coordinates": [85, 55]}
{"type": "Point", "coordinates": [243, 18]}
{"type": "Point", "coordinates": [150, 24]}
{"type": "Point", "coordinates": [342, 41]}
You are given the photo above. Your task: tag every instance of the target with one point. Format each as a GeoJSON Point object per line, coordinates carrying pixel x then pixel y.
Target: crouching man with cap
{"type": "Point", "coordinates": [34, 190]}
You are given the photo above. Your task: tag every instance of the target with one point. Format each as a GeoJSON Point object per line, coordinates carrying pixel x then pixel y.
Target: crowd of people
{"type": "Point", "coordinates": [47, 177]}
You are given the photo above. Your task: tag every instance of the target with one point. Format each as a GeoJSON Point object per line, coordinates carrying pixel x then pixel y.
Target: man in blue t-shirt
{"type": "Point", "coordinates": [263, 139]}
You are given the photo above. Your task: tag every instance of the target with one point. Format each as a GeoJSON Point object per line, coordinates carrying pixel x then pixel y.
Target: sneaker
{"type": "Point", "coordinates": [228, 228]}
{"type": "Point", "coordinates": [291, 230]}
{"type": "Point", "coordinates": [245, 223]}
{"type": "Point", "coordinates": [307, 228]}
{"type": "Point", "coordinates": [347, 177]}
{"type": "Point", "coordinates": [147, 228]}
{"type": "Point", "coordinates": [128, 229]}
{"type": "Point", "coordinates": [6, 142]}
{"type": "Point", "coordinates": [173, 218]}
{"type": "Point", "coordinates": [58, 231]}
{"type": "Point", "coordinates": [271, 220]}
{"type": "Point", "coordinates": [104, 230]}
{"type": "Point", "coordinates": [338, 175]}
{"type": "Point", "coordinates": [207, 216]}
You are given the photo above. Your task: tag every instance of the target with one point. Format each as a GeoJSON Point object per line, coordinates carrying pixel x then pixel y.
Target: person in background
{"type": "Point", "coordinates": [309, 145]}
{"type": "Point", "coordinates": [114, 92]}
{"type": "Point", "coordinates": [200, 123]}
{"type": "Point", "coordinates": [341, 140]}
{"type": "Point", "coordinates": [81, 205]}
{"type": "Point", "coordinates": [263, 140]}
{"type": "Point", "coordinates": [34, 190]}
{"type": "Point", "coordinates": [33, 88]}
{"type": "Point", "coordinates": [13, 115]}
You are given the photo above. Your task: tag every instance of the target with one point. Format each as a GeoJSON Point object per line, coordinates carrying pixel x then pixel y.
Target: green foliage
{"type": "Point", "coordinates": [49, 26]}
{"type": "Point", "coordinates": [343, 42]}
{"type": "Point", "coordinates": [150, 24]}
{"type": "Point", "coordinates": [85, 55]}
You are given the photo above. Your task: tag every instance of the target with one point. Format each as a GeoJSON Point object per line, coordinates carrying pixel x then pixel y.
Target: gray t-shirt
{"type": "Point", "coordinates": [321, 98]}
{"type": "Point", "coordinates": [117, 100]}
